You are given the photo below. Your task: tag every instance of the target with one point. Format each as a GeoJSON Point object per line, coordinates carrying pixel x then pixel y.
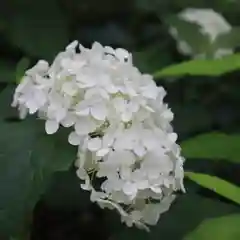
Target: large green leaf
{"type": "Point", "coordinates": [38, 27]}
{"type": "Point", "coordinates": [223, 228]}
{"type": "Point", "coordinates": [28, 158]}
{"type": "Point", "coordinates": [220, 186]}
{"type": "Point", "coordinates": [213, 146]}
{"type": "Point", "coordinates": [186, 214]}
{"type": "Point", "coordinates": [202, 67]}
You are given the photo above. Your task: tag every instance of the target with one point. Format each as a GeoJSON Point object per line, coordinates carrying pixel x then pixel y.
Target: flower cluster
{"type": "Point", "coordinates": [119, 123]}
{"type": "Point", "coordinates": [211, 24]}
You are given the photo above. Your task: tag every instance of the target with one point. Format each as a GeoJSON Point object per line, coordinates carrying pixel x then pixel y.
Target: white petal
{"type": "Point", "coordinates": [119, 104]}
{"type": "Point", "coordinates": [96, 46]}
{"type": "Point", "coordinates": [156, 189]}
{"type": "Point", "coordinates": [111, 88]}
{"type": "Point", "coordinates": [94, 144]}
{"type": "Point", "coordinates": [125, 173]}
{"type": "Point", "coordinates": [32, 106]}
{"type": "Point", "coordinates": [92, 92]}
{"type": "Point", "coordinates": [83, 112]}
{"type": "Point", "coordinates": [168, 115]}
{"type": "Point", "coordinates": [150, 91]}
{"type": "Point", "coordinates": [85, 81]}
{"type": "Point", "coordinates": [126, 116]}
{"type": "Point", "coordinates": [68, 121]}
{"type": "Point", "coordinates": [87, 185]}
{"type": "Point", "coordinates": [104, 94]}
{"type": "Point", "coordinates": [131, 89]}
{"type": "Point", "coordinates": [122, 54]}
{"type": "Point", "coordinates": [139, 150]}
{"type": "Point", "coordinates": [82, 174]}
{"type": "Point", "coordinates": [109, 50]}
{"type": "Point", "coordinates": [40, 97]}
{"type": "Point", "coordinates": [74, 139]}
{"type": "Point", "coordinates": [22, 112]}
{"type": "Point", "coordinates": [173, 137]}
{"type": "Point", "coordinates": [149, 141]}
{"type": "Point", "coordinates": [136, 215]}
{"type": "Point", "coordinates": [151, 214]}
{"type": "Point", "coordinates": [51, 126]}
{"type": "Point", "coordinates": [123, 142]}
{"type": "Point", "coordinates": [84, 126]}
{"type": "Point", "coordinates": [103, 152]}
{"type": "Point", "coordinates": [96, 195]}
{"type": "Point", "coordinates": [133, 106]}
{"type": "Point", "coordinates": [108, 139]}
{"type": "Point", "coordinates": [130, 189]}
{"type": "Point", "coordinates": [60, 113]}
{"type": "Point", "coordinates": [72, 45]}
{"type": "Point", "coordinates": [142, 184]}
{"type": "Point", "coordinates": [99, 111]}
{"type": "Point", "coordinates": [69, 88]}
{"type": "Point", "coordinates": [122, 157]}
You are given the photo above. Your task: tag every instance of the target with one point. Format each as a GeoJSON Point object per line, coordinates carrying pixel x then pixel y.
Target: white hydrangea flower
{"type": "Point", "coordinates": [119, 123]}
{"type": "Point", "coordinates": [211, 23]}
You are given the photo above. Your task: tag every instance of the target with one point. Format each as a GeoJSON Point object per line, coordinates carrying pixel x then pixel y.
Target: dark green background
{"type": "Point", "coordinates": [40, 29]}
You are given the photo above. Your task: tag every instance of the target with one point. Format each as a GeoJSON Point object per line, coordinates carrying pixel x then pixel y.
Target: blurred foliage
{"type": "Point", "coordinates": [188, 211]}
{"type": "Point", "coordinates": [28, 158]}
{"type": "Point", "coordinates": [202, 67]}
{"type": "Point", "coordinates": [204, 96]}
{"type": "Point", "coordinates": [226, 227]}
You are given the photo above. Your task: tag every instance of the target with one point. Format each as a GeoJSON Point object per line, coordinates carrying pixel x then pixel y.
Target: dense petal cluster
{"type": "Point", "coordinates": [119, 123]}
{"type": "Point", "coordinates": [211, 23]}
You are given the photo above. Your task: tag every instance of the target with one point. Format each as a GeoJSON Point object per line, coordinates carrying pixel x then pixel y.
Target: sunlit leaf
{"type": "Point", "coordinates": [220, 186]}
{"type": "Point", "coordinates": [213, 146]}
{"type": "Point", "coordinates": [202, 67]}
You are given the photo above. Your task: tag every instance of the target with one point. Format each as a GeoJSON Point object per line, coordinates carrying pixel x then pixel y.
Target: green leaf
{"type": "Point", "coordinates": [213, 146]}
{"type": "Point", "coordinates": [223, 228]}
{"type": "Point", "coordinates": [22, 66]}
{"type": "Point", "coordinates": [202, 67]}
{"type": "Point", "coordinates": [38, 27]}
{"type": "Point", "coordinates": [220, 186]}
{"type": "Point", "coordinates": [185, 214]}
{"type": "Point", "coordinates": [28, 158]}
{"type": "Point", "coordinates": [7, 71]}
